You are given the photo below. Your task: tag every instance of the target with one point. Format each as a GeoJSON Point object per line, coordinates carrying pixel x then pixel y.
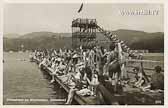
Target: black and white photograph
{"type": "Point", "coordinates": [83, 54]}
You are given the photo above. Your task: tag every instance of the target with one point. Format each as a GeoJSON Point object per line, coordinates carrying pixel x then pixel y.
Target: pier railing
{"type": "Point", "coordinates": [148, 65]}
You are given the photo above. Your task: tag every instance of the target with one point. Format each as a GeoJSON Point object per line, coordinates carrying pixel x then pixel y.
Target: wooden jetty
{"type": "Point", "coordinates": [82, 100]}
{"type": "Point", "coordinates": [130, 96]}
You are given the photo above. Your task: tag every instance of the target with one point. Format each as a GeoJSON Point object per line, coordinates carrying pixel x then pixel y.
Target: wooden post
{"type": "Point", "coordinates": [142, 70]}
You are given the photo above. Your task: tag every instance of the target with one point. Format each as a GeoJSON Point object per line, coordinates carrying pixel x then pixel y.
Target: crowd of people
{"type": "Point", "coordinates": [85, 68]}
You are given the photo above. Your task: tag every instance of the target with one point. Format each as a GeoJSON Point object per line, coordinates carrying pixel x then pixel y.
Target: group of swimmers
{"type": "Point", "coordinates": [84, 68]}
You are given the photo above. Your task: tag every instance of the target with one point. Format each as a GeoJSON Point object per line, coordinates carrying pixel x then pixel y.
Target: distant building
{"type": "Point", "coordinates": [142, 51]}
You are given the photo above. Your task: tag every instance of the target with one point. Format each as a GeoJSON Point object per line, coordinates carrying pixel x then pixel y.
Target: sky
{"type": "Point", "coordinates": [26, 18]}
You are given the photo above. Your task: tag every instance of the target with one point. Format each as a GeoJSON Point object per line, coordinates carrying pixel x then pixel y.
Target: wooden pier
{"type": "Point", "coordinates": [82, 100]}
{"type": "Point", "coordinates": [130, 96]}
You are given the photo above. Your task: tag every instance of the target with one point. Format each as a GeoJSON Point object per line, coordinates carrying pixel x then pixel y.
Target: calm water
{"type": "Point", "coordinates": [23, 80]}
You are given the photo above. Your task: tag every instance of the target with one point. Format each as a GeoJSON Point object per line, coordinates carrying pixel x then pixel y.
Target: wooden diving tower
{"type": "Point", "coordinates": [84, 32]}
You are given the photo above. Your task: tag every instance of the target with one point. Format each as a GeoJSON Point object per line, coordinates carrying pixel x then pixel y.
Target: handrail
{"type": "Point", "coordinates": [148, 64]}
{"type": "Point", "coordinates": [137, 60]}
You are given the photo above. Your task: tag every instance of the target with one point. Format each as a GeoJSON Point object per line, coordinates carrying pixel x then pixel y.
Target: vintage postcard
{"type": "Point", "coordinates": [83, 54]}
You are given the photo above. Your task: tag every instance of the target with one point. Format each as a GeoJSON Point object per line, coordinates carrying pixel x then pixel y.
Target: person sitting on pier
{"type": "Point", "coordinates": [157, 80]}
{"type": "Point", "coordinates": [82, 79]}
{"type": "Point", "coordinates": [55, 68]}
{"type": "Point", "coordinates": [94, 82]}
{"type": "Point", "coordinates": [75, 60]}
{"type": "Point", "coordinates": [68, 56]}
{"type": "Point", "coordinates": [44, 62]}
{"type": "Point", "coordinates": [53, 63]}
{"type": "Point", "coordinates": [140, 80]}
{"type": "Point", "coordinates": [74, 81]}
{"type": "Point", "coordinates": [60, 67]}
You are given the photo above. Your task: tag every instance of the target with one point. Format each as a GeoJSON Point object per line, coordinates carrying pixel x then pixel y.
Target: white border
{"type": "Point", "coordinates": [165, 2]}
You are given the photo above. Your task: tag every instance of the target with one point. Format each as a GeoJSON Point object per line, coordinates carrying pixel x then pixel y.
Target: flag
{"type": "Point", "coordinates": [80, 9]}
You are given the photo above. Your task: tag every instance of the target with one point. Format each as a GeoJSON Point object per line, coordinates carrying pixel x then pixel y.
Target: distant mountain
{"type": "Point", "coordinates": [44, 35]}
{"type": "Point", "coordinates": [134, 39]}
{"type": "Point", "coordinates": [38, 40]}
{"type": "Point", "coordinates": [11, 35]}
{"type": "Point", "coordinates": [39, 35]}
{"type": "Point", "coordinates": [153, 42]}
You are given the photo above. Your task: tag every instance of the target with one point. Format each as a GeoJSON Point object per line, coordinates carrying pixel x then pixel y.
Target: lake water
{"type": "Point", "coordinates": [24, 83]}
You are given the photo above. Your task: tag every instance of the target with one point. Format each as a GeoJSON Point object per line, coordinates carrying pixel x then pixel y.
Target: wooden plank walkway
{"type": "Point", "coordinates": [82, 100]}
{"type": "Point", "coordinates": [130, 96]}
